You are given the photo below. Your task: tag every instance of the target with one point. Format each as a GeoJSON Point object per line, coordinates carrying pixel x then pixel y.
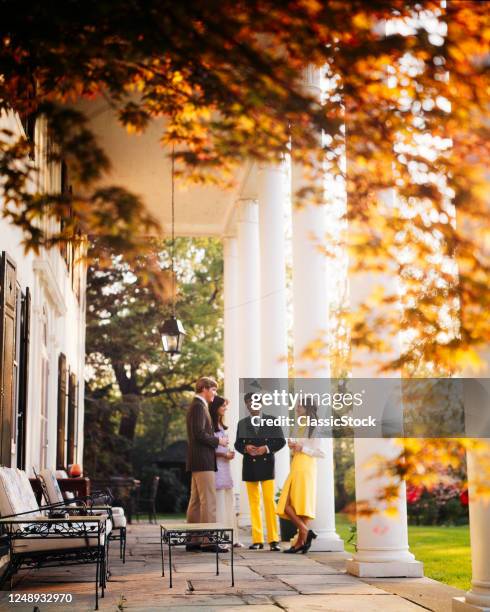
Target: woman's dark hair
{"type": "Point", "coordinates": [311, 411]}
{"type": "Point", "coordinates": [216, 418]}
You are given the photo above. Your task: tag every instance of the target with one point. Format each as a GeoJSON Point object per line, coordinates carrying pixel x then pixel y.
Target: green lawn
{"type": "Point", "coordinates": [163, 517]}
{"type": "Point", "coordinates": [444, 551]}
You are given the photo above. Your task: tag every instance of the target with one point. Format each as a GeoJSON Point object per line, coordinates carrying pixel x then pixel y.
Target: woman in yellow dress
{"type": "Point", "coordinates": [298, 497]}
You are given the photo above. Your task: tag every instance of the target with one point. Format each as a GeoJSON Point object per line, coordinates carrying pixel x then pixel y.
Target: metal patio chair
{"type": "Point", "coordinates": [149, 502]}
{"type": "Point", "coordinates": [50, 536]}
{"type": "Point", "coordinates": [53, 495]}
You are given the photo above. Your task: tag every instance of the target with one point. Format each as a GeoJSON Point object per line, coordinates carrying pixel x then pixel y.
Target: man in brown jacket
{"type": "Point", "coordinates": [201, 460]}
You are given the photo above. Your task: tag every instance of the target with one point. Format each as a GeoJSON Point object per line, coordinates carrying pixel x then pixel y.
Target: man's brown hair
{"type": "Point", "coordinates": [205, 382]}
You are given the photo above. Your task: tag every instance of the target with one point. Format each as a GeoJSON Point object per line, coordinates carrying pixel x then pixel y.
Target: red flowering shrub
{"type": "Point", "coordinates": [463, 497]}
{"type": "Point", "coordinates": [414, 493]}
{"type": "Point", "coordinates": [443, 504]}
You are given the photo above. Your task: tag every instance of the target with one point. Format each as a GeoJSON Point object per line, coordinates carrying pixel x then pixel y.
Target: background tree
{"type": "Point", "coordinates": [130, 373]}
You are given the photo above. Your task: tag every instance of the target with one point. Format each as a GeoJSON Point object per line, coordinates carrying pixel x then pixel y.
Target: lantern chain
{"type": "Point", "coordinates": [173, 230]}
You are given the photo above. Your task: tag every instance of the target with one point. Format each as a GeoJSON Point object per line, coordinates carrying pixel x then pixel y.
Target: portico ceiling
{"type": "Point", "coordinates": [140, 164]}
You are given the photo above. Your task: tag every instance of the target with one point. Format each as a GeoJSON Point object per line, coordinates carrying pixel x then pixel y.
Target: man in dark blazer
{"type": "Point", "coordinates": [258, 444]}
{"type": "Point", "coordinates": [201, 460]}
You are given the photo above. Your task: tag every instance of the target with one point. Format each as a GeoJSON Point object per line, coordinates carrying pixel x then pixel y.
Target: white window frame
{"type": "Point", "coordinates": [43, 413]}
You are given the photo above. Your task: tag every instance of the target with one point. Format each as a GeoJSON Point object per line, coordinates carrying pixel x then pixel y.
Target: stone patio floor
{"type": "Point", "coordinates": [268, 581]}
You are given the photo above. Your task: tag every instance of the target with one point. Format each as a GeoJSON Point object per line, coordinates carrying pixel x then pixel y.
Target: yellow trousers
{"type": "Point", "coordinates": [269, 511]}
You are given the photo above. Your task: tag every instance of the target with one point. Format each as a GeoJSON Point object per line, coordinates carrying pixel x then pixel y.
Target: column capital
{"type": "Point", "coordinates": [312, 80]}
{"type": "Point", "coordinates": [273, 166]}
{"type": "Point", "coordinates": [247, 210]}
{"type": "Point", "coordinates": [246, 200]}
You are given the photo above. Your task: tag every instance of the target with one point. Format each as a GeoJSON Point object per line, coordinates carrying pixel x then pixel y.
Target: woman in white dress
{"type": "Point", "coordinates": [225, 500]}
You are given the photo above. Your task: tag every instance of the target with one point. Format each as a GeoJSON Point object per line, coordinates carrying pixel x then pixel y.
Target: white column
{"type": "Point", "coordinates": [248, 288]}
{"type": "Point", "coordinates": [478, 598]}
{"type": "Point", "coordinates": [310, 310]}
{"type": "Point", "coordinates": [273, 299]}
{"type": "Point", "coordinates": [382, 541]}
{"type": "Point", "coordinates": [231, 347]}
{"type": "Point", "coordinates": [248, 311]}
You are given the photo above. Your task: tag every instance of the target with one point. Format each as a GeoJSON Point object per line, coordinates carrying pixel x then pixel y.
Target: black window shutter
{"type": "Point", "coordinates": [72, 416]}
{"type": "Point", "coordinates": [25, 332]}
{"type": "Point", "coordinates": [7, 355]}
{"type": "Point", "coordinates": [61, 430]}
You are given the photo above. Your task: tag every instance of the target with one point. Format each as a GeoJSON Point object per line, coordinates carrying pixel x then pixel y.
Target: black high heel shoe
{"type": "Point", "coordinates": [301, 549]}
{"type": "Point", "coordinates": [291, 551]}
{"type": "Point", "coordinates": [256, 546]}
{"type": "Point", "coordinates": [309, 539]}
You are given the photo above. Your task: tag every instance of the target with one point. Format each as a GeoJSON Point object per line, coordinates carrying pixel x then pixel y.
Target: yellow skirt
{"type": "Point", "coordinates": [300, 487]}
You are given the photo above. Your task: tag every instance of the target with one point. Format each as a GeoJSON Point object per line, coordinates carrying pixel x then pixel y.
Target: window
{"type": "Point", "coordinates": [44, 327]}
{"type": "Point", "coordinates": [66, 248]}
{"type": "Point", "coordinates": [61, 425]}
{"type": "Point", "coordinates": [70, 251]}
{"type": "Point", "coordinates": [23, 378]}
{"type": "Point", "coordinates": [72, 419]}
{"type": "Point", "coordinates": [8, 365]}
{"type": "Point", "coordinates": [15, 377]}
{"type": "Point", "coordinates": [15, 308]}
{"type": "Point", "coordinates": [76, 267]}
{"type": "Point", "coordinates": [43, 456]}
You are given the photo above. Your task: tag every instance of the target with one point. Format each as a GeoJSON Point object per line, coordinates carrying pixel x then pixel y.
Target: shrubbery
{"type": "Point", "coordinates": [443, 504]}
{"type": "Point", "coordinates": [172, 495]}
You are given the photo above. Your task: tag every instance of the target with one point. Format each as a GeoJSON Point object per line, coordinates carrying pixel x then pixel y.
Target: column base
{"type": "Point", "coordinates": [461, 605]}
{"type": "Point", "coordinates": [327, 542]}
{"type": "Point", "coordinates": [385, 569]}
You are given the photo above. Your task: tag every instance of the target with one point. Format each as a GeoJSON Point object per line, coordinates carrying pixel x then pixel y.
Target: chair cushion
{"type": "Point", "coordinates": [61, 475]}
{"type": "Point", "coordinates": [119, 520]}
{"type": "Point", "coordinates": [55, 542]}
{"type": "Point", "coordinates": [16, 494]}
{"type": "Point", "coordinates": [55, 495]}
{"type": "Point", "coordinates": [45, 544]}
{"type": "Point", "coordinates": [118, 517]}
{"type": "Point", "coordinates": [29, 501]}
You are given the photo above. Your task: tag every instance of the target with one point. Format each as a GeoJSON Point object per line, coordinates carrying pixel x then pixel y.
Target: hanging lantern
{"type": "Point", "coordinates": [172, 330]}
{"type": "Point", "coordinates": [172, 335]}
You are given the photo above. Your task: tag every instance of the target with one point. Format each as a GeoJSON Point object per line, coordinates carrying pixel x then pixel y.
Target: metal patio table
{"type": "Point", "coordinates": [180, 534]}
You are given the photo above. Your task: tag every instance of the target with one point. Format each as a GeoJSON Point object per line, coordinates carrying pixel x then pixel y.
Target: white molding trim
{"type": "Point", "coordinates": [43, 268]}
{"type": "Point", "coordinates": [187, 229]}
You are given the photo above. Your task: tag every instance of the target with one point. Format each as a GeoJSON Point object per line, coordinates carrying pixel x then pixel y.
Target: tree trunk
{"type": "Point", "coordinates": [131, 406]}
{"type": "Point", "coordinates": [126, 380]}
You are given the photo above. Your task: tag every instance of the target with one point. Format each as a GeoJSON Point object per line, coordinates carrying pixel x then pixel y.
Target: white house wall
{"type": "Point", "coordinates": [47, 277]}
